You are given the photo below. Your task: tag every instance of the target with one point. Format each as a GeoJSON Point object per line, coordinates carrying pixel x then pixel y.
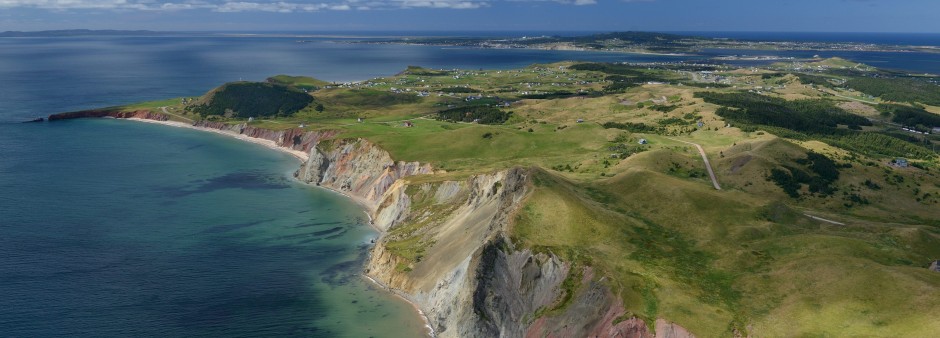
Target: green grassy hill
{"type": "Point", "coordinates": [251, 99]}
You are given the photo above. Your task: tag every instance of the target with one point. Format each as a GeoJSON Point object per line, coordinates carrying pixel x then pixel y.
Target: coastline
{"type": "Point", "coordinates": [303, 157]}
{"type": "Point", "coordinates": [424, 317]}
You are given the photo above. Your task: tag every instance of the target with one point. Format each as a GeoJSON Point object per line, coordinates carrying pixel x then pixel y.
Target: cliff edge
{"type": "Point", "coordinates": [446, 248]}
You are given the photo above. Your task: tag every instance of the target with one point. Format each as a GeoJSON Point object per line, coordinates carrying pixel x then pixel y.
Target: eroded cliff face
{"type": "Point", "coordinates": [446, 249]}
{"type": "Point", "coordinates": [361, 170]}
{"type": "Point", "coordinates": [294, 138]}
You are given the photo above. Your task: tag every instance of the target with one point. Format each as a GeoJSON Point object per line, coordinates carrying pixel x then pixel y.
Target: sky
{"type": "Point", "coordinates": [917, 16]}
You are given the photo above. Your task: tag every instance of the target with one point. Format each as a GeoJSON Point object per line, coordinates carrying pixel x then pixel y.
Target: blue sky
{"type": "Point", "coordinates": [483, 15]}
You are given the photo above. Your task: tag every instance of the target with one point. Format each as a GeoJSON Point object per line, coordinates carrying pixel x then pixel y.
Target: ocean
{"type": "Point", "coordinates": [117, 228]}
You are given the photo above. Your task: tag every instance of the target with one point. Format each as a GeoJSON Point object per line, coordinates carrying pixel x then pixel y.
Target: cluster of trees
{"type": "Point", "coordinates": [814, 80]}
{"type": "Point", "coordinates": [672, 121]}
{"type": "Point", "coordinates": [663, 108]}
{"type": "Point", "coordinates": [481, 114]}
{"type": "Point", "coordinates": [622, 77]}
{"type": "Point", "coordinates": [559, 95]}
{"type": "Point", "coordinates": [818, 172]}
{"type": "Point", "coordinates": [809, 116]}
{"type": "Point", "coordinates": [910, 116]}
{"type": "Point", "coordinates": [897, 89]}
{"type": "Point", "coordinates": [879, 144]}
{"type": "Point", "coordinates": [623, 150]}
{"type": "Point", "coordinates": [634, 127]}
{"type": "Point", "coordinates": [459, 90]}
{"type": "Point", "coordinates": [254, 99]}
{"type": "Point", "coordinates": [706, 85]}
{"type": "Point", "coordinates": [810, 119]}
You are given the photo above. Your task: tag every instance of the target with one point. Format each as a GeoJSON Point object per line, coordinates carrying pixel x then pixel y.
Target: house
{"type": "Point", "coordinates": [643, 141]}
{"type": "Point", "coordinates": [580, 121]}
{"type": "Point", "coordinates": [900, 162]}
{"type": "Point", "coordinates": [359, 120]}
{"type": "Point", "coordinates": [935, 266]}
{"type": "Point", "coordinates": [408, 124]}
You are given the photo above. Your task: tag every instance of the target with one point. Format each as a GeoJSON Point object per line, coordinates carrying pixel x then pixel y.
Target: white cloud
{"type": "Point", "coordinates": [453, 4]}
{"type": "Point", "coordinates": [567, 2]}
{"type": "Point", "coordinates": [275, 6]}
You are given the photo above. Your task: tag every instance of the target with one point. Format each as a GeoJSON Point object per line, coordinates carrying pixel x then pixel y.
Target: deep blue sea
{"type": "Point", "coordinates": [115, 228]}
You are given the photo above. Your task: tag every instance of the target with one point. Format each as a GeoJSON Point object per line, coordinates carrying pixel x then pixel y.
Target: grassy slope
{"type": "Point", "coordinates": [710, 259]}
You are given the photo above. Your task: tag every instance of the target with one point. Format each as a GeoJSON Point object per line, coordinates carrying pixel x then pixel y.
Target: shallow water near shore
{"type": "Point", "coordinates": [121, 228]}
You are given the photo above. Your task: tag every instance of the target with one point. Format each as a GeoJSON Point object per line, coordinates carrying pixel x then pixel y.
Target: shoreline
{"type": "Point", "coordinates": [303, 157]}
{"type": "Point", "coordinates": [424, 317]}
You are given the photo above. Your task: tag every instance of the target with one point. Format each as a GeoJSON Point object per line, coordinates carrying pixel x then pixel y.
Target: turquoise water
{"type": "Point", "coordinates": [121, 228]}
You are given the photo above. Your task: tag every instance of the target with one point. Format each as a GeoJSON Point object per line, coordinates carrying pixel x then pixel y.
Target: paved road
{"type": "Point", "coordinates": [708, 165]}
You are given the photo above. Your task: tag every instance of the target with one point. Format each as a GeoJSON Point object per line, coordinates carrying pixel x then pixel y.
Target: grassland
{"type": "Point", "coordinates": [745, 259]}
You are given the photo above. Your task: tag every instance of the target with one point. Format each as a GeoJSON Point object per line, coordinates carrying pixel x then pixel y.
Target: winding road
{"type": "Point", "coordinates": [708, 165]}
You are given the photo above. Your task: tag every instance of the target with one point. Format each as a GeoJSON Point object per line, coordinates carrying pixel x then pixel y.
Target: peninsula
{"type": "Point", "coordinates": [637, 200]}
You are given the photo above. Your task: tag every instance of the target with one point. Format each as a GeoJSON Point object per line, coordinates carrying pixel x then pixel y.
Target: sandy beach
{"type": "Point", "coordinates": [302, 156]}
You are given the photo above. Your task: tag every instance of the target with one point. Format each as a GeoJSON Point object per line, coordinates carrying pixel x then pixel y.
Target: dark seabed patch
{"type": "Point", "coordinates": [233, 226]}
{"type": "Point", "coordinates": [247, 180]}
{"type": "Point", "coordinates": [307, 225]}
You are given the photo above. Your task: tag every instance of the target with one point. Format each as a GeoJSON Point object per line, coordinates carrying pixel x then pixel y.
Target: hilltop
{"type": "Point", "coordinates": [578, 182]}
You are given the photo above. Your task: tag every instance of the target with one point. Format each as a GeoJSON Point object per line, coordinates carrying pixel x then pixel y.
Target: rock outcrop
{"type": "Point", "coordinates": [359, 169]}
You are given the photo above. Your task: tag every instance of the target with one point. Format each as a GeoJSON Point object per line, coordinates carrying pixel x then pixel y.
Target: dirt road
{"type": "Point", "coordinates": [708, 165]}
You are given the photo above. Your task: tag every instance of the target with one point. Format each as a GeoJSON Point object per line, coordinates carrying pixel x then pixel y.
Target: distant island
{"type": "Point", "coordinates": [647, 42]}
{"type": "Point", "coordinates": [83, 32]}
